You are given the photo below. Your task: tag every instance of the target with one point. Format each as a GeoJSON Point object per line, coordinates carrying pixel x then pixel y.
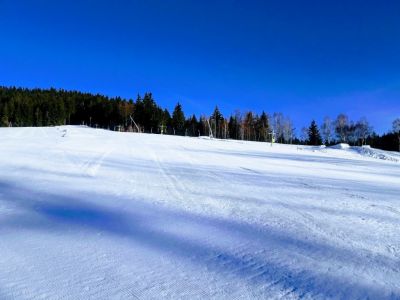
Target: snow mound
{"type": "Point", "coordinates": [341, 146]}
{"type": "Point", "coordinates": [204, 137]}
{"type": "Point", "coordinates": [367, 151]}
{"type": "Point", "coordinates": [378, 154]}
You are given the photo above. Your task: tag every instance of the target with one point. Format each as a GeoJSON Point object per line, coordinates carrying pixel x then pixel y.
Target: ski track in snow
{"type": "Point", "coordinates": [94, 214]}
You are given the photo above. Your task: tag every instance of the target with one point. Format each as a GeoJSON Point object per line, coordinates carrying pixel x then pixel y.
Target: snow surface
{"type": "Point", "coordinates": [94, 214]}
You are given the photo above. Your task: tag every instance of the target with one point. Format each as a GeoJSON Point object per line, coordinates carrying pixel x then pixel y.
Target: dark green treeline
{"type": "Point", "coordinates": [50, 107]}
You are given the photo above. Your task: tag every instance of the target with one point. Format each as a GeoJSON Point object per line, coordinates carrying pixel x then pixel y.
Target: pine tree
{"type": "Point", "coordinates": [178, 120]}
{"type": "Point", "coordinates": [314, 137]}
{"type": "Point", "coordinates": [248, 126]}
{"type": "Point", "coordinates": [216, 122]}
{"type": "Point", "coordinates": [4, 117]}
{"type": "Point", "coordinates": [233, 127]}
{"type": "Point", "coordinates": [166, 121]}
{"type": "Point", "coordinates": [192, 126]}
{"type": "Point", "coordinates": [396, 129]}
{"type": "Point", "coordinates": [263, 127]}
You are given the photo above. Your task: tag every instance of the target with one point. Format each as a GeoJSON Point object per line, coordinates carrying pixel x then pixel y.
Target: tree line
{"type": "Point", "coordinates": [344, 130]}
{"type": "Point", "coordinates": [50, 107]}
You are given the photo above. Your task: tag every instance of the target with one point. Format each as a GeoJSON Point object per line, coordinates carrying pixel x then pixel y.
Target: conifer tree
{"type": "Point", "coordinates": [263, 127]}
{"type": "Point", "coordinates": [4, 116]}
{"type": "Point", "coordinates": [192, 126]}
{"type": "Point", "coordinates": [233, 127]}
{"type": "Point", "coordinates": [216, 122]}
{"type": "Point", "coordinates": [396, 129]}
{"type": "Point", "coordinates": [314, 137]}
{"type": "Point", "coordinates": [178, 120]}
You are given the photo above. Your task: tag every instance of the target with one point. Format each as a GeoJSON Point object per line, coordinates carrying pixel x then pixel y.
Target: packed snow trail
{"type": "Point", "coordinates": [94, 214]}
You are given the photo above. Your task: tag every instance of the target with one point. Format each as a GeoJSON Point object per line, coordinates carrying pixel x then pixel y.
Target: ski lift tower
{"type": "Point", "coordinates": [133, 121]}
{"type": "Point", "coordinates": [210, 134]}
{"type": "Point", "coordinates": [162, 128]}
{"type": "Point", "coordinates": [272, 136]}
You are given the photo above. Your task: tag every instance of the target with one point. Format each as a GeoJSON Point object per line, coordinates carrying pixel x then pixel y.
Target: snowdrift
{"type": "Point", "coordinates": [378, 154]}
{"type": "Point", "coordinates": [368, 151]}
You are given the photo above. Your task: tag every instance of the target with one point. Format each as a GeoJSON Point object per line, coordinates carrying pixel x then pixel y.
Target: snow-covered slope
{"type": "Point", "coordinates": [94, 214]}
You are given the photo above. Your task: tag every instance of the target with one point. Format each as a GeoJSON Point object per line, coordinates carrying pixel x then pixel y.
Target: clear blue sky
{"type": "Point", "coordinates": [306, 59]}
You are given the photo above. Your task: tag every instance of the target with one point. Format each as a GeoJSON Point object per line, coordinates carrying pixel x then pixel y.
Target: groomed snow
{"type": "Point", "coordinates": [94, 214]}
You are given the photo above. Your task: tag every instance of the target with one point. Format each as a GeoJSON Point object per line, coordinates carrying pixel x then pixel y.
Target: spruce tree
{"type": "Point", "coordinates": [178, 120]}
{"type": "Point", "coordinates": [192, 126]}
{"type": "Point", "coordinates": [396, 129]}
{"type": "Point", "coordinates": [216, 122]}
{"type": "Point", "coordinates": [4, 117]}
{"type": "Point", "coordinates": [262, 127]}
{"type": "Point", "coordinates": [233, 127]}
{"type": "Point", "coordinates": [314, 137]}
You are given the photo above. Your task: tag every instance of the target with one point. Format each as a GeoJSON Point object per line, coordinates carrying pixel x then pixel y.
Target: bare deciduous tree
{"type": "Point", "coordinates": [287, 130]}
{"type": "Point", "coordinates": [304, 134]}
{"type": "Point", "coordinates": [277, 123]}
{"type": "Point", "coordinates": [362, 130]}
{"type": "Point", "coordinates": [326, 129]}
{"type": "Point", "coordinates": [341, 125]}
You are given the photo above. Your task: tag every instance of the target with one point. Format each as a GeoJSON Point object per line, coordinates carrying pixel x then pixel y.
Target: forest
{"type": "Point", "coordinates": [51, 107]}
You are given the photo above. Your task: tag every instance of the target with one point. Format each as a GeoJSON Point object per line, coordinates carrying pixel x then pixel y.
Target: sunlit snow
{"type": "Point", "coordinates": [95, 214]}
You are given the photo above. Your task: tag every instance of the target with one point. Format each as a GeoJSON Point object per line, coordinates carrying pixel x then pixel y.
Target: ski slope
{"type": "Point", "coordinates": [94, 214]}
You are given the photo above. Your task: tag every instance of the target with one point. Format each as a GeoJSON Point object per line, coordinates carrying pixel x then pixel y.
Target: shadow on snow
{"type": "Point", "coordinates": [146, 225]}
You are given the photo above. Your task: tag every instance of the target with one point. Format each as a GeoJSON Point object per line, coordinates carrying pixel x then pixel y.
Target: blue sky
{"type": "Point", "coordinates": [307, 59]}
